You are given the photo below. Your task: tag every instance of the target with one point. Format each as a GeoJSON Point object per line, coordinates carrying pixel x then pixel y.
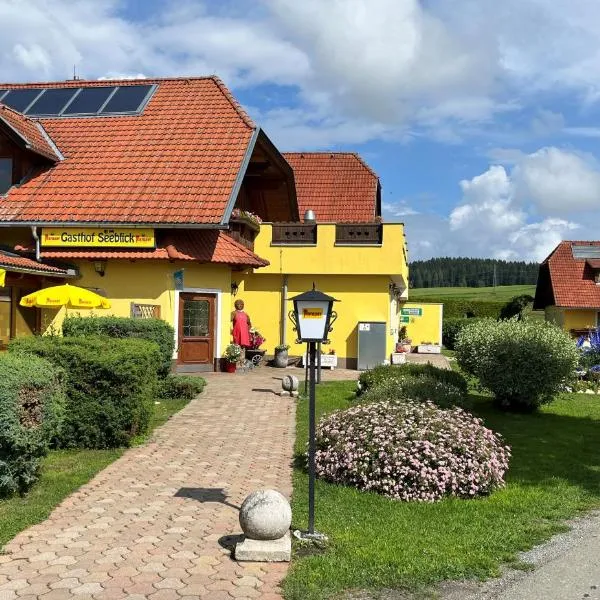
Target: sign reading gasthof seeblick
{"type": "Point", "coordinates": [88, 237]}
{"type": "Point", "coordinates": [411, 312]}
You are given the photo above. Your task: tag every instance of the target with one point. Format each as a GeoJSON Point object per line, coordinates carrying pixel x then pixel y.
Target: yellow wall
{"type": "Point", "coordinates": [326, 257]}
{"type": "Point", "coordinates": [571, 318]}
{"type": "Point", "coordinates": [579, 319]}
{"type": "Point", "coordinates": [361, 298]}
{"type": "Point", "coordinates": [426, 328]}
{"type": "Point", "coordinates": [149, 282]}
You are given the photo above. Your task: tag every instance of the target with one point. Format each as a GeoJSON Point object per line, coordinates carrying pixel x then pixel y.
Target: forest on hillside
{"type": "Point", "coordinates": [470, 272]}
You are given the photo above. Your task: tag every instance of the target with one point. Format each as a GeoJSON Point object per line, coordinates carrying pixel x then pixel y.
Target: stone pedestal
{"type": "Point", "coordinates": [279, 550]}
{"type": "Point", "coordinates": [265, 518]}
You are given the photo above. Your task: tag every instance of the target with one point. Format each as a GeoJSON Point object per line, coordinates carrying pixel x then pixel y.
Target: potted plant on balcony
{"type": "Point", "coordinates": [254, 351]}
{"type": "Point", "coordinates": [281, 356]}
{"type": "Point", "coordinates": [232, 355]}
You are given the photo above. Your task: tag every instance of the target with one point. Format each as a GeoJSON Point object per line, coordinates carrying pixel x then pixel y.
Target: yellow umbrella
{"type": "Point", "coordinates": [65, 295]}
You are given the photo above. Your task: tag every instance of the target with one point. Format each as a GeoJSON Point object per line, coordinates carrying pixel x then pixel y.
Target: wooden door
{"type": "Point", "coordinates": [196, 329]}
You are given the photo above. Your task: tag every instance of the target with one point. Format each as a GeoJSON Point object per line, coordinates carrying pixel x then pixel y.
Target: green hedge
{"type": "Point", "coordinates": [156, 330]}
{"type": "Point", "coordinates": [450, 330]}
{"type": "Point", "coordinates": [110, 383]}
{"type": "Point", "coordinates": [385, 373]}
{"type": "Point", "coordinates": [181, 387]}
{"type": "Point", "coordinates": [460, 309]}
{"type": "Point", "coordinates": [32, 404]}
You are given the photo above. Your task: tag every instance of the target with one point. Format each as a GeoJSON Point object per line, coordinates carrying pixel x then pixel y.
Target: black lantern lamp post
{"type": "Point", "coordinates": [313, 317]}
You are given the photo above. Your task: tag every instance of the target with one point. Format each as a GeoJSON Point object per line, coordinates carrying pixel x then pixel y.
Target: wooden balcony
{"type": "Point", "coordinates": [368, 234]}
{"type": "Point", "coordinates": [244, 232]}
{"type": "Point", "coordinates": [290, 234]}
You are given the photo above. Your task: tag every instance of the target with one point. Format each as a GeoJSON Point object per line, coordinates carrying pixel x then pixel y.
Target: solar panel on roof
{"type": "Point", "coordinates": [52, 101]}
{"type": "Point", "coordinates": [90, 100]}
{"type": "Point", "coordinates": [586, 252]}
{"type": "Point", "coordinates": [127, 98]}
{"type": "Point", "coordinates": [21, 99]}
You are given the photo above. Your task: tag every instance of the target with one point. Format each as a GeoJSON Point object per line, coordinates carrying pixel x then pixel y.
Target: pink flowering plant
{"type": "Point", "coordinates": [411, 451]}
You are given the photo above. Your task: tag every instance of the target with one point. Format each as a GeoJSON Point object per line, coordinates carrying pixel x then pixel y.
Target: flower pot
{"type": "Point", "coordinates": [230, 367]}
{"type": "Point", "coordinates": [281, 359]}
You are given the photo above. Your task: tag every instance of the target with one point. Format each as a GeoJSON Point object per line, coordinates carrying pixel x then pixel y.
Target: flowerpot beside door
{"type": "Point", "coordinates": [281, 356]}
{"type": "Point", "coordinates": [232, 355]}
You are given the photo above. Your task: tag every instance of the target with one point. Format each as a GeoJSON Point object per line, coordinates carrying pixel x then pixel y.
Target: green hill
{"type": "Point", "coordinates": [502, 293]}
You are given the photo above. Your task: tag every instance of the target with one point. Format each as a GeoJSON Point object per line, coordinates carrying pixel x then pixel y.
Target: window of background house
{"type": "Point", "coordinates": [6, 167]}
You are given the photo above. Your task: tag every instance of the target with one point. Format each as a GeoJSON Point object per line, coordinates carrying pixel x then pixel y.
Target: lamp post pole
{"type": "Point", "coordinates": [311, 438]}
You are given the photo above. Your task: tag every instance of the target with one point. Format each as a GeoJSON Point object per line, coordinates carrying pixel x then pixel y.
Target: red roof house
{"type": "Point", "coordinates": [568, 286]}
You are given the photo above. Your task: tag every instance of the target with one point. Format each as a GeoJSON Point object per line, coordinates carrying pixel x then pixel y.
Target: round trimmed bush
{"type": "Point", "coordinates": [410, 451]}
{"type": "Point", "coordinates": [384, 373]}
{"type": "Point", "coordinates": [418, 388]}
{"type": "Point", "coordinates": [523, 363]}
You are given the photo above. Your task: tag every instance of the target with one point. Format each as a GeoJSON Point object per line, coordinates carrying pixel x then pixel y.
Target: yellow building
{"type": "Point", "coordinates": [165, 197]}
{"type": "Point", "coordinates": [568, 287]}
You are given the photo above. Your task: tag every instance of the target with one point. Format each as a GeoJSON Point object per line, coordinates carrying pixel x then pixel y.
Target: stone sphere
{"type": "Point", "coordinates": [289, 383]}
{"type": "Point", "coordinates": [265, 515]}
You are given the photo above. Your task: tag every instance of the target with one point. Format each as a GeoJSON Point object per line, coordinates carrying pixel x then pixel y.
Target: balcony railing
{"type": "Point", "coordinates": [369, 234]}
{"type": "Point", "coordinates": [294, 233]}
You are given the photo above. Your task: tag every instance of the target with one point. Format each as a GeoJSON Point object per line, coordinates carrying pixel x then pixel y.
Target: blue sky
{"type": "Point", "coordinates": [481, 118]}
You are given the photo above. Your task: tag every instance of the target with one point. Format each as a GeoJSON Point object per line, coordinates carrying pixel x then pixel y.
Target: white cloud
{"type": "Point", "coordinates": [394, 210]}
{"type": "Point", "coordinates": [381, 66]}
{"type": "Point", "coordinates": [557, 181]}
{"type": "Point", "coordinates": [521, 213]}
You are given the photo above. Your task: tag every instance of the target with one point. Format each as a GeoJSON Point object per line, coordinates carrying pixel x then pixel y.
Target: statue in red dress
{"type": "Point", "coordinates": [241, 325]}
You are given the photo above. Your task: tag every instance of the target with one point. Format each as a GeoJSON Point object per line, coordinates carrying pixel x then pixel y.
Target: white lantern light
{"type": "Point", "coordinates": [313, 315]}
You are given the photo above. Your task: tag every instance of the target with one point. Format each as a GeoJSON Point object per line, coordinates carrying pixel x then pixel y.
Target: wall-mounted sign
{"type": "Point", "coordinates": [364, 326]}
{"type": "Point", "coordinates": [404, 319]}
{"type": "Point", "coordinates": [412, 312]}
{"type": "Point", "coordinates": [89, 237]}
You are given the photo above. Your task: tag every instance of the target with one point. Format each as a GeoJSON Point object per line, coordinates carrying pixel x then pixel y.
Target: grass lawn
{"type": "Point", "coordinates": [63, 472]}
{"type": "Point", "coordinates": [500, 293]}
{"type": "Point", "coordinates": [379, 543]}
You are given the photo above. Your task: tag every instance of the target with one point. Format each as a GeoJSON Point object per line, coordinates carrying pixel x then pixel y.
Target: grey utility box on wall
{"type": "Point", "coordinates": [371, 344]}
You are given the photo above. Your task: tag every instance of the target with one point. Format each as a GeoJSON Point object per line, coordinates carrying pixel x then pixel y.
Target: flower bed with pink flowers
{"type": "Point", "coordinates": [411, 451]}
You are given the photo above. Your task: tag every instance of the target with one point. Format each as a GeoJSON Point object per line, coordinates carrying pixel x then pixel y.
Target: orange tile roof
{"type": "Point", "coordinates": [30, 132]}
{"type": "Point", "coordinates": [204, 246]}
{"type": "Point", "coordinates": [337, 186]}
{"type": "Point", "coordinates": [572, 280]}
{"type": "Point", "coordinates": [177, 162]}
{"type": "Point", "coordinates": [20, 263]}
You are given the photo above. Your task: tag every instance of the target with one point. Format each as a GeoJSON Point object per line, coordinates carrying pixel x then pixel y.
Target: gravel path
{"type": "Point", "coordinates": [565, 568]}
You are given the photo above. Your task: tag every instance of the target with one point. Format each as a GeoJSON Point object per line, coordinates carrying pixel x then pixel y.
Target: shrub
{"type": "Point", "coordinates": [523, 363]}
{"type": "Point", "coordinates": [450, 330]}
{"type": "Point", "coordinates": [410, 451]}
{"type": "Point", "coordinates": [181, 387]}
{"type": "Point", "coordinates": [31, 410]}
{"type": "Point", "coordinates": [418, 388]}
{"type": "Point", "coordinates": [110, 384]}
{"type": "Point", "coordinates": [516, 306]}
{"type": "Point", "coordinates": [383, 373]}
{"type": "Point", "coordinates": [156, 330]}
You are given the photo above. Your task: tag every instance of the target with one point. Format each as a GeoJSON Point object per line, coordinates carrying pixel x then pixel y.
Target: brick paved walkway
{"type": "Point", "coordinates": [149, 525]}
